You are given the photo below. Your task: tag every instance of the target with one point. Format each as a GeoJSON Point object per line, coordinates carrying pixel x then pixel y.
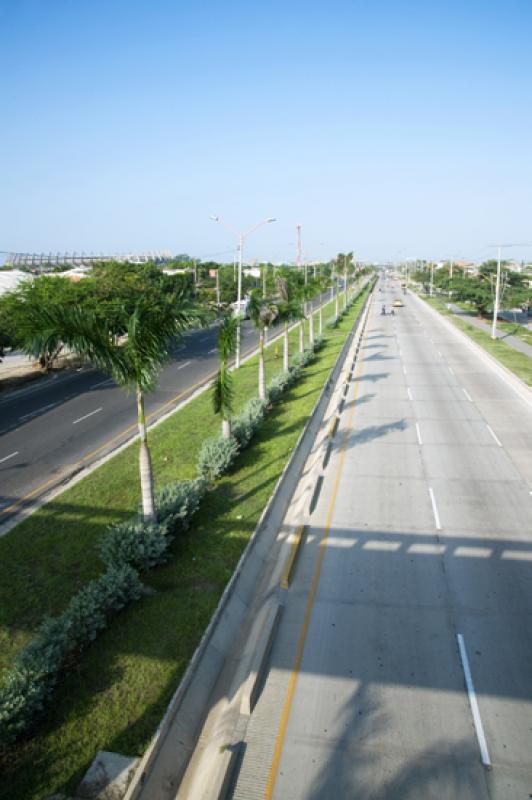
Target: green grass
{"type": "Point", "coordinates": [115, 696]}
{"type": "Point", "coordinates": [519, 363]}
{"type": "Point", "coordinates": [512, 328]}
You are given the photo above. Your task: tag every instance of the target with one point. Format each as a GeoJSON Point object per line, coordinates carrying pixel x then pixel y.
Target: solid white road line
{"type": "Point", "coordinates": [418, 431]}
{"type": "Point", "coordinates": [435, 509]}
{"type": "Point", "coordinates": [11, 455]}
{"type": "Point", "coordinates": [484, 754]}
{"type": "Point", "coordinates": [96, 411]}
{"type": "Point", "coordinates": [409, 393]}
{"type": "Point", "coordinates": [404, 370]}
{"type": "Point", "coordinates": [493, 434]}
{"type": "Point", "coordinates": [182, 366]}
{"type": "Point", "coordinates": [106, 382]}
{"type": "Point", "coordinates": [467, 395]}
{"type": "Point", "coordinates": [214, 350]}
{"type": "Point", "coordinates": [451, 370]}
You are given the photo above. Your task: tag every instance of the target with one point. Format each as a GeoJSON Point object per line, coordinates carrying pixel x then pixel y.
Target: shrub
{"type": "Point", "coordinates": [216, 456]}
{"type": "Point", "coordinates": [333, 323]}
{"type": "Point", "coordinates": [176, 503]}
{"type": "Point", "coordinates": [29, 685]}
{"type": "Point", "coordinates": [245, 425]}
{"type": "Point", "coordinates": [319, 342]}
{"type": "Point", "coordinates": [139, 544]}
{"type": "Point", "coordinates": [279, 385]}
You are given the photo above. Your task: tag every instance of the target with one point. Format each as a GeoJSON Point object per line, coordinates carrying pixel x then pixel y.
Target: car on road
{"type": "Point", "coordinates": [242, 308]}
{"type": "Point", "coordinates": [398, 303]}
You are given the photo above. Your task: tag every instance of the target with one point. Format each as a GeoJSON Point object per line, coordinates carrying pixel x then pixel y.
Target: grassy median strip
{"type": "Point", "coordinates": [518, 363]}
{"type": "Point", "coordinates": [114, 697]}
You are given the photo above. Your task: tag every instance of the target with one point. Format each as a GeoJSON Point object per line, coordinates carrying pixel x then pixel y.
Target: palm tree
{"type": "Point", "coordinates": [132, 353]}
{"type": "Point", "coordinates": [263, 313]}
{"type": "Point", "coordinates": [222, 397]}
{"type": "Point", "coordinates": [289, 310]}
{"type": "Point", "coordinates": [307, 293]}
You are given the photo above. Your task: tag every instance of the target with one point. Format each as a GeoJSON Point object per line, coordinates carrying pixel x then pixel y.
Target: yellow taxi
{"type": "Point", "coordinates": [398, 303]}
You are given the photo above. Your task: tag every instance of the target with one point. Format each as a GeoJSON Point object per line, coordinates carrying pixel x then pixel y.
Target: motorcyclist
{"type": "Point", "coordinates": [383, 310]}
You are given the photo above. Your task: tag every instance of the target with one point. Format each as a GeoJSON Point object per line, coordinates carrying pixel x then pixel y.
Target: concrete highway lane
{"type": "Point", "coordinates": [401, 668]}
{"type": "Point", "coordinates": [49, 432]}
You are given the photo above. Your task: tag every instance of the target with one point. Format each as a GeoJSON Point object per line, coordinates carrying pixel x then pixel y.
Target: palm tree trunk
{"type": "Point", "coordinates": [146, 472]}
{"type": "Point", "coordinates": [262, 382]}
{"type": "Point", "coordinates": [321, 322]}
{"type": "Point", "coordinates": [301, 336]}
{"type": "Point", "coordinates": [226, 428]}
{"type": "Point", "coordinates": [285, 347]}
{"type": "Point", "coordinates": [311, 328]}
{"type": "Point", "coordinates": [337, 309]}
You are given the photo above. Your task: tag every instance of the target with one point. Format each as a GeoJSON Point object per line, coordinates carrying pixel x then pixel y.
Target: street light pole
{"type": "Point", "coordinates": [239, 296]}
{"type": "Point", "coordinates": [497, 296]}
{"type": "Point", "coordinates": [241, 239]}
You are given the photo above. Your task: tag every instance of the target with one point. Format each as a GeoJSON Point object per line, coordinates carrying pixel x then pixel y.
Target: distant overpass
{"type": "Point", "coordinates": [43, 260]}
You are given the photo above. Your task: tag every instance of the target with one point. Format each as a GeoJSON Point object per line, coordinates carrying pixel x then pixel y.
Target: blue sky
{"type": "Point", "coordinates": [394, 129]}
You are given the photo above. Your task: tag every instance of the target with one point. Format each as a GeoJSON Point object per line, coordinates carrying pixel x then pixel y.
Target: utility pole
{"type": "Point", "coordinates": [298, 257]}
{"type": "Point", "coordinates": [345, 280]}
{"type": "Point", "coordinates": [497, 302]}
{"type": "Point", "coordinates": [264, 273]}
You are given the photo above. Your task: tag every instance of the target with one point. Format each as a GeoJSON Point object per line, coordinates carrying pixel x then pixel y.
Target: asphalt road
{"type": "Point", "coordinates": [51, 431]}
{"type": "Point", "coordinates": [422, 533]}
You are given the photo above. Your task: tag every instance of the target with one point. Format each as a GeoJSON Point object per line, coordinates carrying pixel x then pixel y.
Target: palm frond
{"type": "Point", "coordinates": [222, 392]}
{"type": "Point", "coordinates": [227, 336]}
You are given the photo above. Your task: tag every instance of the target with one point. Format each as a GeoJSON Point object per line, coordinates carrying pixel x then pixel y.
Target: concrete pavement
{"type": "Point", "coordinates": [421, 533]}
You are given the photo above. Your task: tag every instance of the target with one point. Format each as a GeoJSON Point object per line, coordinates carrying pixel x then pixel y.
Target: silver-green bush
{"type": "Point", "coordinates": [216, 456]}
{"type": "Point", "coordinates": [137, 543]}
{"type": "Point", "coordinates": [29, 685]}
{"type": "Point", "coordinates": [246, 424]}
{"type": "Point", "coordinates": [176, 503]}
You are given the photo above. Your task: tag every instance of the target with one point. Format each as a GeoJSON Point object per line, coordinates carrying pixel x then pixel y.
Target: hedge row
{"type": "Point", "coordinates": [217, 454]}
{"type": "Point", "coordinates": [126, 550]}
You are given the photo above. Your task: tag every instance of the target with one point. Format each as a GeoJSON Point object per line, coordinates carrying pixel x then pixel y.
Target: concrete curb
{"type": "Point", "coordinates": [508, 377]}
{"type": "Point", "coordinates": [186, 715]}
{"type": "Point", "coordinates": [295, 547]}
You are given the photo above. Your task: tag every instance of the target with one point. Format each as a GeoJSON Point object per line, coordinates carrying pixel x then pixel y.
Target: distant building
{"type": "Point", "coordinates": [10, 279]}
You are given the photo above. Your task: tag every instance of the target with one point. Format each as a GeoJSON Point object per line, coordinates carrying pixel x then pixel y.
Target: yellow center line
{"type": "Point", "coordinates": [289, 697]}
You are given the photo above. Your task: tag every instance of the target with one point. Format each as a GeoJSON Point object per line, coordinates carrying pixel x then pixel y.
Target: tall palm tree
{"type": "Point", "coordinates": [307, 293]}
{"type": "Point", "coordinates": [289, 309]}
{"type": "Point", "coordinates": [222, 397]}
{"type": "Point", "coordinates": [132, 353]}
{"type": "Point", "coordinates": [263, 313]}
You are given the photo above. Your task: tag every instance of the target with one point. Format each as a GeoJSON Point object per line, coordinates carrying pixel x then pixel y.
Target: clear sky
{"type": "Point", "coordinates": [394, 129]}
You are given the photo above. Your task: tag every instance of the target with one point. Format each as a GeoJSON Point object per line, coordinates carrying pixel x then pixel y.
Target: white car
{"type": "Point", "coordinates": [241, 308]}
